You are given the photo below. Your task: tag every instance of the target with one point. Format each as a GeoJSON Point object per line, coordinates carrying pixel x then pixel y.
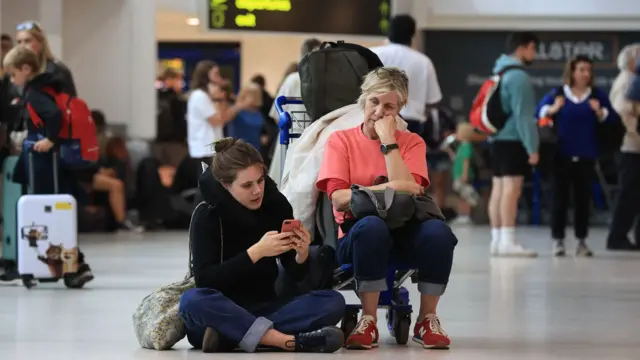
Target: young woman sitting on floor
{"type": "Point", "coordinates": [235, 245]}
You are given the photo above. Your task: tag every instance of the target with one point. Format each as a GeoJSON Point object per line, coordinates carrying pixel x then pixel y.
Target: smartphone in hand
{"type": "Point", "coordinates": [290, 225]}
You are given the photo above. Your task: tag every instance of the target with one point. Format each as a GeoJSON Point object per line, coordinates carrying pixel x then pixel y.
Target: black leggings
{"type": "Point", "coordinates": [571, 176]}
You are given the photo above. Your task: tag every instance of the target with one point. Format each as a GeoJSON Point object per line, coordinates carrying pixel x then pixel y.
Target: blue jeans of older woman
{"type": "Point", "coordinates": [370, 246]}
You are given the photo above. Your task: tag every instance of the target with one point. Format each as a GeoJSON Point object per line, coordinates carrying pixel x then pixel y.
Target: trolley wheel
{"type": "Point", "coordinates": [28, 281]}
{"type": "Point", "coordinates": [349, 322]}
{"type": "Point", "coordinates": [401, 325]}
{"type": "Point", "coordinates": [70, 285]}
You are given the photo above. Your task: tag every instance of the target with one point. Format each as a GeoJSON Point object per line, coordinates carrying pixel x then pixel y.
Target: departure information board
{"type": "Point", "coordinates": [348, 17]}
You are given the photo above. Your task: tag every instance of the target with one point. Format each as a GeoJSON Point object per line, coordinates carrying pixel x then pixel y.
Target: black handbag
{"type": "Point", "coordinates": [396, 208]}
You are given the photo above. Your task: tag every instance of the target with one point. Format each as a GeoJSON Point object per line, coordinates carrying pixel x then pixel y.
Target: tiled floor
{"type": "Point", "coordinates": [540, 308]}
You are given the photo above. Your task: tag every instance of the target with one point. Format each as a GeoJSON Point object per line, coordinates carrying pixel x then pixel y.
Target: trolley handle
{"type": "Point", "coordinates": [284, 117]}
{"type": "Point", "coordinates": [283, 100]}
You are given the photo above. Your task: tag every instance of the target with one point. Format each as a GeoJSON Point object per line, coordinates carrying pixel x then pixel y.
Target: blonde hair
{"type": "Point", "coordinates": [20, 56]}
{"type": "Point", "coordinates": [383, 80]}
{"type": "Point", "coordinates": [627, 54]}
{"type": "Point", "coordinates": [35, 30]}
{"type": "Point", "coordinates": [252, 93]}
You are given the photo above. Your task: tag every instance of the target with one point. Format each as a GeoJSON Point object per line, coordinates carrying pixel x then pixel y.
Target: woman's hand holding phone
{"type": "Point", "coordinates": [302, 240]}
{"type": "Point", "coordinates": [272, 244]}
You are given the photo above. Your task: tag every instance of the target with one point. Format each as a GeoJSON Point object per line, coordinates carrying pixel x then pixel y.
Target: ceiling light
{"type": "Point", "coordinates": [193, 21]}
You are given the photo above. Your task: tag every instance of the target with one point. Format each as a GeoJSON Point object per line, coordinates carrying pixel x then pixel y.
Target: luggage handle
{"type": "Point", "coordinates": [54, 153]}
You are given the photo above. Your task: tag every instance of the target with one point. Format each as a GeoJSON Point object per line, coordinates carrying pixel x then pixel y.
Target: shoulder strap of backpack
{"type": "Point", "coordinates": [558, 91]}
{"type": "Point", "coordinates": [509, 67]}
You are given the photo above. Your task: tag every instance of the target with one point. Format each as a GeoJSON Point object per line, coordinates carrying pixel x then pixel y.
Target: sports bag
{"type": "Point", "coordinates": [330, 77]}
{"type": "Point", "coordinates": [78, 135]}
{"type": "Point", "coordinates": [396, 208]}
{"type": "Point", "coordinates": [487, 114]}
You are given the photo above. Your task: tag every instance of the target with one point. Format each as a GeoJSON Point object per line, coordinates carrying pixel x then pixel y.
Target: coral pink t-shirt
{"type": "Point", "coordinates": [352, 158]}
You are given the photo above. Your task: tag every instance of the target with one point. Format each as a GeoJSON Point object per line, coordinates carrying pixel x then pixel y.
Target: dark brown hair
{"type": "Point", "coordinates": [200, 76]}
{"type": "Point", "coordinates": [309, 45]}
{"type": "Point", "coordinates": [233, 155]}
{"type": "Point", "coordinates": [570, 67]}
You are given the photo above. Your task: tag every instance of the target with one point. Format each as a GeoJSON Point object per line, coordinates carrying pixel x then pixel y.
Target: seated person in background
{"type": "Point", "coordinates": [114, 177]}
{"type": "Point", "coordinates": [235, 245]}
{"type": "Point", "coordinates": [113, 173]}
{"type": "Point", "coordinates": [249, 122]}
{"type": "Point", "coordinates": [359, 156]}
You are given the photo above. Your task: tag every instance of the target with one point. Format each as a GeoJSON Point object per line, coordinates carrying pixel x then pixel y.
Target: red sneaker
{"type": "Point", "coordinates": [430, 333]}
{"type": "Point", "coordinates": [365, 335]}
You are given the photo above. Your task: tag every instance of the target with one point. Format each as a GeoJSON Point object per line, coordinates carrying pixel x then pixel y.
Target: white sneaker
{"type": "Point", "coordinates": [462, 220]}
{"type": "Point", "coordinates": [582, 250]}
{"type": "Point", "coordinates": [495, 247]}
{"type": "Point", "coordinates": [558, 248]}
{"type": "Point", "coordinates": [515, 250]}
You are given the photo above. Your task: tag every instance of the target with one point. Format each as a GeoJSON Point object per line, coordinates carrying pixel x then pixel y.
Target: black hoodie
{"type": "Point", "coordinates": [237, 277]}
{"type": "Point", "coordinates": [44, 104]}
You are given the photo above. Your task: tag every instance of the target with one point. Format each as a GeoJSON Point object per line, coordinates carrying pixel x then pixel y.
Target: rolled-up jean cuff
{"type": "Point", "coordinates": [426, 288]}
{"type": "Point", "coordinates": [251, 339]}
{"type": "Point", "coordinates": [371, 285]}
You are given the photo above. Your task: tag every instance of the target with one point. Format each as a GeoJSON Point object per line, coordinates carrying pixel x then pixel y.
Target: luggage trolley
{"type": "Point", "coordinates": [396, 299]}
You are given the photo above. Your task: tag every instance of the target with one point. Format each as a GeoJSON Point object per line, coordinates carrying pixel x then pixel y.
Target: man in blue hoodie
{"type": "Point", "coordinates": [514, 149]}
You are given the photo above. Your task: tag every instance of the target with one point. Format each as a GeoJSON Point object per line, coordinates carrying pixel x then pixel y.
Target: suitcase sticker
{"type": "Point", "coordinates": [59, 260]}
{"type": "Point", "coordinates": [33, 233]}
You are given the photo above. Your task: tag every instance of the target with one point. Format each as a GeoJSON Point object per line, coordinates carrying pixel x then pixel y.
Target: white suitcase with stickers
{"type": "Point", "coordinates": [47, 234]}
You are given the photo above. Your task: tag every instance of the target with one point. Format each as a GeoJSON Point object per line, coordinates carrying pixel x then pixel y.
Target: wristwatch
{"type": "Point", "coordinates": [386, 148]}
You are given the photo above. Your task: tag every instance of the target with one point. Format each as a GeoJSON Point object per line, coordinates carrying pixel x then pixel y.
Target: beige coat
{"type": "Point", "coordinates": [629, 111]}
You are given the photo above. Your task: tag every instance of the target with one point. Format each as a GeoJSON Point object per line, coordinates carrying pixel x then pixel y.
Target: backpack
{"type": "Point", "coordinates": [78, 131]}
{"type": "Point", "coordinates": [487, 114]}
{"type": "Point", "coordinates": [330, 77]}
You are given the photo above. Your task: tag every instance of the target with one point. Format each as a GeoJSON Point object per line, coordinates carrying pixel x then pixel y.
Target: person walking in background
{"type": "Point", "coordinates": [249, 122]}
{"type": "Point", "coordinates": [625, 99]}
{"type": "Point", "coordinates": [170, 145]}
{"type": "Point", "coordinates": [205, 120]}
{"type": "Point", "coordinates": [424, 89]}
{"type": "Point", "coordinates": [514, 149]}
{"type": "Point", "coordinates": [423, 114]}
{"type": "Point", "coordinates": [209, 110]}
{"type": "Point", "coordinates": [267, 99]}
{"type": "Point", "coordinates": [577, 108]}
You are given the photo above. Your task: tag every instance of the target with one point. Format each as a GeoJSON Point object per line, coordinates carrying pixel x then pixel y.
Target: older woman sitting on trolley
{"type": "Point", "coordinates": [358, 156]}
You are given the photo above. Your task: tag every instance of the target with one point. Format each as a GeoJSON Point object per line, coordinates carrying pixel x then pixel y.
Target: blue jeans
{"type": "Point", "coordinates": [243, 328]}
{"type": "Point", "coordinates": [370, 246]}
